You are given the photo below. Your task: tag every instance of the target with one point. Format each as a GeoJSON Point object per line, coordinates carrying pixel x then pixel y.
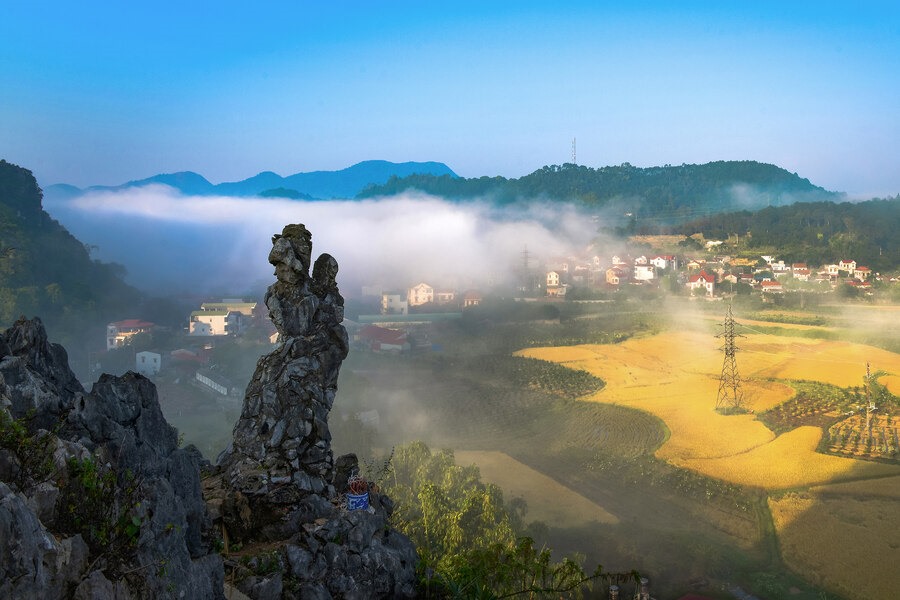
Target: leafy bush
{"type": "Point", "coordinates": [33, 452]}
{"type": "Point", "coordinates": [103, 507]}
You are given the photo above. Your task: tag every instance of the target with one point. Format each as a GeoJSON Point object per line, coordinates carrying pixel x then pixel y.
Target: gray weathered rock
{"type": "Point", "coordinates": [281, 450]}
{"type": "Point", "coordinates": [33, 564]}
{"type": "Point", "coordinates": [119, 427]}
{"type": "Point", "coordinates": [36, 375]}
{"type": "Point", "coordinates": [279, 480]}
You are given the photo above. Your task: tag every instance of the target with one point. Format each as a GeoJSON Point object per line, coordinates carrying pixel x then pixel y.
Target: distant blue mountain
{"type": "Point", "coordinates": [346, 183]}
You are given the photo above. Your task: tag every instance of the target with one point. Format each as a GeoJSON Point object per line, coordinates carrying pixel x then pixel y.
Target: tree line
{"type": "Point", "coordinates": [668, 193]}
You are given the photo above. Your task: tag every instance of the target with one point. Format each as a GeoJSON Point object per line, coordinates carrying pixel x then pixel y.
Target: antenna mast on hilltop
{"type": "Point", "coordinates": [574, 162]}
{"type": "Point", "coordinates": [730, 396]}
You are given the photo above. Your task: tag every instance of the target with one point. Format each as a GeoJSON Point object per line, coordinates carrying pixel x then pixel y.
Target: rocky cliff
{"type": "Point", "coordinates": [98, 501]}
{"type": "Point", "coordinates": [96, 498]}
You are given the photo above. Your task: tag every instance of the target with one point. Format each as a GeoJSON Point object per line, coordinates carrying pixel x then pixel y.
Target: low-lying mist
{"type": "Point", "coordinates": [171, 243]}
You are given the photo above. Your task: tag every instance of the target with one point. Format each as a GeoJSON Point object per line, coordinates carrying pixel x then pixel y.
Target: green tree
{"type": "Point", "coordinates": [467, 537]}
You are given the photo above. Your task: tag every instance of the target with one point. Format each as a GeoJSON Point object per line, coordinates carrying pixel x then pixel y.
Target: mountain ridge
{"type": "Point", "coordinates": [343, 183]}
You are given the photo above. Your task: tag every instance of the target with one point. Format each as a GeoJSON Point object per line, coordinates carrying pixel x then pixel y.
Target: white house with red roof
{"type": "Point", "coordinates": [117, 333]}
{"type": "Point", "coordinates": [702, 280]}
{"type": "Point", "coordinates": [663, 261]}
{"type": "Point", "coordinates": [862, 273]}
{"type": "Point", "coordinates": [847, 265]}
{"type": "Point", "coordinates": [772, 287]}
{"type": "Point", "coordinates": [802, 274]}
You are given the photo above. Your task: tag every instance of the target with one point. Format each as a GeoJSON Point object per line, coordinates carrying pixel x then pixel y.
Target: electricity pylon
{"type": "Point", "coordinates": [730, 396]}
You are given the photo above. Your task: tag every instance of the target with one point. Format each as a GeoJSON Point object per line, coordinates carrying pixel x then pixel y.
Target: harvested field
{"type": "Point", "coordinates": [847, 542]}
{"type": "Point", "coordinates": [548, 500]}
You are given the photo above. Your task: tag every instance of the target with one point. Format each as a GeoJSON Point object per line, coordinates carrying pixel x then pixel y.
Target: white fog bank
{"type": "Point", "coordinates": [171, 243]}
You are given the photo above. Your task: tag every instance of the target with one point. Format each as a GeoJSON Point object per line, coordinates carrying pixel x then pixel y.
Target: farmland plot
{"type": "Point", "coordinates": [788, 461]}
{"type": "Point", "coordinates": [840, 535]}
{"type": "Point", "coordinates": [548, 501]}
{"type": "Point", "coordinates": [843, 536]}
{"type": "Point", "coordinates": [673, 375]}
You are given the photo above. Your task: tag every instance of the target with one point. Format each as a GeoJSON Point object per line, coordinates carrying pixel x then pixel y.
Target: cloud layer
{"type": "Point", "coordinates": [173, 243]}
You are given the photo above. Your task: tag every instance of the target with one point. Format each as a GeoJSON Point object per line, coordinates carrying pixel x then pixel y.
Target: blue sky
{"type": "Point", "coordinates": [103, 92]}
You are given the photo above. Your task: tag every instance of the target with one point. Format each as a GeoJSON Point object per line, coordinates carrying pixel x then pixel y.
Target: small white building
{"type": "Point", "coordinates": [420, 294]}
{"type": "Point", "coordinates": [147, 363]}
{"type": "Point", "coordinates": [472, 298]}
{"type": "Point", "coordinates": [444, 296]}
{"type": "Point", "coordinates": [847, 265]}
{"type": "Point", "coordinates": [644, 272]}
{"type": "Point", "coordinates": [393, 303]}
{"type": "Point", "coordinates": [231, 305]}
{"type": "Point", "coordinates": [663, 261]}
{"type": "Point", "coordinates": [215, 322]}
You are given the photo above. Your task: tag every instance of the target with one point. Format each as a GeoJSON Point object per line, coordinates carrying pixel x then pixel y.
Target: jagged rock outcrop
{"type": "Point", "coordinates": [98, 502]}
{"type": "Point", "coordinates": [279, 482]}
{"type": "Point", "coordinates": [113, 509]}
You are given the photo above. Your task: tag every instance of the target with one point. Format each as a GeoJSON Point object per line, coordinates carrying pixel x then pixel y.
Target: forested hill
{"type": "Point", "coordinates": [46, 272]}
{"type": "Point", "coordinates": [669, 193]}
{"type": "Point", "coordinates": [817, 233]}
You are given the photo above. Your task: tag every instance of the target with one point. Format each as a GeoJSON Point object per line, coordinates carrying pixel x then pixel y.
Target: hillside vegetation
{"type": "Point", "coordinates": [45, 271]}
{"type": "Point", "coordinates": [667, 194]}
{"type": "Point", "coordinates": [813, 232]}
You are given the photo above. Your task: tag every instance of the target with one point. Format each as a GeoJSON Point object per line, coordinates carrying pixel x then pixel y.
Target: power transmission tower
{"type": "Point", "coordinates": [870, 402]}
{"type": "Point", "coordinates": [574, 161]}
{"type": "Point", "coordinates": [730, 397]}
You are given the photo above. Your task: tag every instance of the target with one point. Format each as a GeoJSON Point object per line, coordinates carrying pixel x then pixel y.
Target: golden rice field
{"type": "Point", "coordinates": [548, 500]}
{"type": "Point", "coordinates": [843, 532]}
{"type": "Point", "coordinates": [788, 461]}
{"type": "Point", "coordinates": [843, 537]}
{"type": "Point", "coordinates": [674, 375]}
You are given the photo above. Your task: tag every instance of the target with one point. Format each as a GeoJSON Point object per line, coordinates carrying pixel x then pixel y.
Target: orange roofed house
{"type": "Point", "coordinates": [117, 333]}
